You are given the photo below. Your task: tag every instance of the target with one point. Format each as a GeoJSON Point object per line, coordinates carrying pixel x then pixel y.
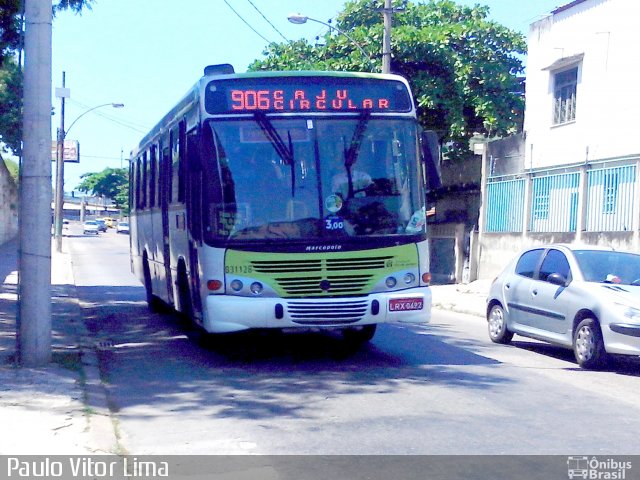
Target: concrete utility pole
{"type": "Point", "coordinates": [387, 13]}
{"type": "Point", "coordinates": [386, 39]}
{"type": "Point", "coordinates": [34, 290]}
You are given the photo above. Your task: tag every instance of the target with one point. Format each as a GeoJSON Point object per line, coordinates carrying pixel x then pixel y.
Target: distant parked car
{"type": "Point", "coordinates": [122, 227]}
{"type": "Point", "coordinates": [581, 297]}
{"type": "Point", "coordinates": [102, 225]}
{"type": "Point", "coordinates": [90, 226]}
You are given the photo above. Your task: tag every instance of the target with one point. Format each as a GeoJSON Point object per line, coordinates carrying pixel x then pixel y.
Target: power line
{"type": "Point", "coordinates": [247, 23]}
{"type": "Point", "coordinates": [267, 20]}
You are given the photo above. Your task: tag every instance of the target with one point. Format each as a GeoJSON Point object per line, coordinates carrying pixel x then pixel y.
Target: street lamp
{"type": "Point", "coordinates": [299, 19]}
{"type": "Point", "coordinates": [59, 200]}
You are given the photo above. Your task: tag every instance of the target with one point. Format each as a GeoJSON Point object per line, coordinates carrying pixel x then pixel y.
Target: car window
{"type": "Point", "coordinates": [528, 262]}
{"type": "Point", "coordinates": [609, 267]}
{"type": "Point", "coordinates": [554, 262]}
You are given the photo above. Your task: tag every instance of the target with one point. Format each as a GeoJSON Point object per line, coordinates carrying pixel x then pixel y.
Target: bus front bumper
{"type": "Point", "coordinates": [228, 313]}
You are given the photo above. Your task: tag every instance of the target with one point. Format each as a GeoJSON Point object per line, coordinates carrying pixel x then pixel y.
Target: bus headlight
{"type": "Point", "coordinates": [391, 282]}
{"type": "Point", "coordinates": [236, 285]}
{"type": "Point", "coordinates": [409, 278]}
{"type": "Point", "coordinates": [256, 288]}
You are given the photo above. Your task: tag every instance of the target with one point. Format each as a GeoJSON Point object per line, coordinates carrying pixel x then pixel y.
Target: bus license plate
{"type": "Point", "coordinates": [405, 304]}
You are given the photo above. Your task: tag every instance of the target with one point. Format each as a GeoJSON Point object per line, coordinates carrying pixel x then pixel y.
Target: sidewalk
{"type": "Point", "coordinates": [468, 299]}
{"type": "Point", "coordinates": [60, 408]}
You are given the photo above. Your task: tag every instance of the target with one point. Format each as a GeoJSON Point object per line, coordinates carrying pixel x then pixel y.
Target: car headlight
{"type": "Point", "coordinates": [632, 313]}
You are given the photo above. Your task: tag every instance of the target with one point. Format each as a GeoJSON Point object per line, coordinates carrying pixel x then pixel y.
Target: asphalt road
{"type": "Point", "coordinates": [439, 389]}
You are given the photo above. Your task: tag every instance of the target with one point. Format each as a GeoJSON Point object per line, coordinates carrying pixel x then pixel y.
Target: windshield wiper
{"type": "Point", "coordinates": [284, 151]}
{"type": "Point", "coordinates": [351, 153]}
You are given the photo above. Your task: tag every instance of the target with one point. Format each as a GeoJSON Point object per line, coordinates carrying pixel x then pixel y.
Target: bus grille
{"type": "Point", "coordinates": [328, 313]}
{"type": "Point", "coordinates": [324, 277]}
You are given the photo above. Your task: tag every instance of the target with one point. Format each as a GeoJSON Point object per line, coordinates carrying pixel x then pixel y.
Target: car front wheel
{"type": "Point", "coordinates": [498, 331]}
{"type": "Point", "coordinates": [588, 345]}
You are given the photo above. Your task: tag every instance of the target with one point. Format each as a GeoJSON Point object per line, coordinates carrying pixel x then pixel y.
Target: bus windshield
{"type": "Point", "coordinates": [312, 178]}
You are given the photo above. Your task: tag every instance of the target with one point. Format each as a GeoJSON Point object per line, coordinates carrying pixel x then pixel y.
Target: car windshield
{"type": "Point", "coordinates": [609, 267]}
{"type": "Point", "coordinates": [91, 222]}
{"type": "Point", "coordinates": [313, 179]}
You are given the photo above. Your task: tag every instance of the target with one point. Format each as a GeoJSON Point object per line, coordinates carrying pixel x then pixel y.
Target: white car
{"type": "Point", "coordinates": [581, 297]}
{"type": "Point", "coordinates": [90, 226]}
{"type": "Point", "coordinates": [122, 227]}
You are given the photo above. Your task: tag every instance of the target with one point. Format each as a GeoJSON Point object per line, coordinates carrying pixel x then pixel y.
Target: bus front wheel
{"type": "Point", "coordinates": [359, 335]}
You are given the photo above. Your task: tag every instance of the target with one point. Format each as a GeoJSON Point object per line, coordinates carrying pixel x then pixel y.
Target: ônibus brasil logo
{"type": "Point", "coordinates": [596, 468]}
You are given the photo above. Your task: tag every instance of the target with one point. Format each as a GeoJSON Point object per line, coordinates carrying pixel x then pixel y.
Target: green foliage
{"type": "Point", "coordinates": [112, 183]}
{"type": "Point", "coordinates": [75, 6]}
{"type": "Point", "coordinates": [462, 67]}
{"type": "Point", "coordinates": [11, 107]}
{"type": "Point", "coordinates": [13, 168]}
{"type": "Point", "coordinates": [11, 19]}
{"type": "Point", "coordinates": [10, 22]}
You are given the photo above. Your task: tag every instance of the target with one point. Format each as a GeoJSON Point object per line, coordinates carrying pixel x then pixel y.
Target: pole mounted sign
{"type": "Point", "coordinates": [70, 151]}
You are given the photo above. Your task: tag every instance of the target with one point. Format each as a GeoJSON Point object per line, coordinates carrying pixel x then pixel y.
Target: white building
{"type": "Point", "coordinates": [583, 67]}
{"type": "Point", "coordinates": [575, 174]}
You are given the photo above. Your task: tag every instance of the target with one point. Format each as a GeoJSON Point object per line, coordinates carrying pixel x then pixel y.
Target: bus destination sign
{"type": "Point", "coordinates": [300, 94]}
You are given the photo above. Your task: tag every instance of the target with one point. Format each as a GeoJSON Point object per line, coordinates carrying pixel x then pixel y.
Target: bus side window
{"type": "Point", "coordinates": [182, 162]}
{"type": "Point", "coordinates": [165, 175]}
{"type": "Point", "coordinates": [138, 182]}
{"type": "Point", "coordinates": [174, 173]}
{"type": "Point", "coordinates": [152, 176]}
{"type": "Point", "coordinates": [131, 186]}
{"type": "Point", "coordinates": [195, 180]}
{"type": "Point", "coordinates": [178, 163]}
{"type": "Point", "coordinates": [145, 177]}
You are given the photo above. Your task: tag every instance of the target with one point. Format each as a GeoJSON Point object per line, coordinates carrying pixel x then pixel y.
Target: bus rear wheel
{"type": "Point", "coordinates": [154, 303]}
{"type": "Point", "coordinates": [186, 307]}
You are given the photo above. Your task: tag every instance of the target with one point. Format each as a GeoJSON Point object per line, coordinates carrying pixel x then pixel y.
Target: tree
{"type": "Point", "coordinates": [462, 67]}
{"type": "Point", "coordinates": [13, 168]}
{"type": "Point", "coordinates": [112, 183]}
{"type": "Point", "coordinates": [11, 20]}
{"type": "Point", "coordinates": [10, 107]}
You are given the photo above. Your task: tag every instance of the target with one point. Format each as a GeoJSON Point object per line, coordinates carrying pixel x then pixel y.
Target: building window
{"type": "Point", "coordinates": [564, 96]}
{"type": "Point", "coordinates": [541, 197]}
{"type": "Point", "coordinates": [610, 193]}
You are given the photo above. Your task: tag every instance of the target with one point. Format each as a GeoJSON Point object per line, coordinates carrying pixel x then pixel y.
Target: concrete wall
{"type": "Point", "coordinates": [8, 205]}
{"type": "Point", "coordinates": [496, 249]}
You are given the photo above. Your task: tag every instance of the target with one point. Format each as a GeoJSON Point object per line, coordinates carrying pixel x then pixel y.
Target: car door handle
{"type": "Point", "coordinates": [534, 292]}
{"type": "Point", "coordinates": [507, 286]}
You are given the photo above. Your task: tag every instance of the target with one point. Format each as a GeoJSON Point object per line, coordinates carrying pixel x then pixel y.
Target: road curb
{"type": "Point", "coordinates": [101, 426]}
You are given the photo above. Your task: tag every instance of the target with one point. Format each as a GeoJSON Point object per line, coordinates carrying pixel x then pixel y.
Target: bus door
{"type": "Point", "coordinates": [165, 192]}
{"type": "Point", "coordinates": [194, 205]}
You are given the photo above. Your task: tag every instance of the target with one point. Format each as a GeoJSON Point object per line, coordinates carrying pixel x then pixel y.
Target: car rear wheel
{"type": "Point", "coordinates": [498, 331]}
{"type": "Point", "coordinates": [588, 345]}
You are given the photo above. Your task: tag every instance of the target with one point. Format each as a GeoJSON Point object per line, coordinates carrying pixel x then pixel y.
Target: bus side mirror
{"type": "Point", "coordinates": [431, 158]}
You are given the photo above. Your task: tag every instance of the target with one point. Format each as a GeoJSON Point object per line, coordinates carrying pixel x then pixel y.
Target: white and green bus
{"type": "Point", "coordinates": [285, 200]}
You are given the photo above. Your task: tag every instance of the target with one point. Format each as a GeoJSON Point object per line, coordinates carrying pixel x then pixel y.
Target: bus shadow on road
{"type": "Point", "coordinates": [155, 359]}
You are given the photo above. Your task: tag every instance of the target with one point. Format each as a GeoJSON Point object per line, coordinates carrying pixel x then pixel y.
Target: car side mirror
{"type": "Point", "coordinates": [557, 279]}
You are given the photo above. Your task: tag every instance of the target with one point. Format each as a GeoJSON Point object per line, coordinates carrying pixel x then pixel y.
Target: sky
{"type": "Point", "coordinates": [146, 54]}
